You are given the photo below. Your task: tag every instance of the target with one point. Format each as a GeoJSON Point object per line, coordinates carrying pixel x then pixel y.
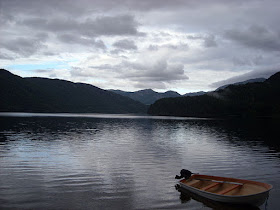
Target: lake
{"type": "Point", "coordinates": [95, 161]}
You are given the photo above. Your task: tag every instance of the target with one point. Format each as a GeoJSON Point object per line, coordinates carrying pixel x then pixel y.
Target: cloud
{"type": "Point", "coordinates": [157, 70]}
{"type": "Point", "coordinates": [134, 43]}
{"type": "Point", "coordinates": [209, 40]}
{"type": "Point", "coordinates": [91, 27]}
{"type": "Point", "coordinates": [74, 39]}
{"type": "Point", "coordinates": [4, 56]}
{"type": "Point", "coordinates": [80, 72]}
{"type": "Point", "coordinates": [248, 60]}
{"type": "Point", "coordinates": [125, 44]}
{"type": "Point", "coordinates": [153, 47]}
{"type": "Point", "coordinates": [22, 46]}
{"type": "Point", "coordinates": [155, 74]}
{"type": "Point", "coordinates": [175, 47]}
{"type": "Point", "coordinates": [255, 36]}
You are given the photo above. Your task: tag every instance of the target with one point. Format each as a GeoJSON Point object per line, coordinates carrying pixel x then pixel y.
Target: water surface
{"type": "Point", "coordinates": [128, 162]}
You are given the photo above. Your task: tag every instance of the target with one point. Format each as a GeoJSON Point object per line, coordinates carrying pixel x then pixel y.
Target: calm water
{"type": "Point", "coordinates": [128, 162]}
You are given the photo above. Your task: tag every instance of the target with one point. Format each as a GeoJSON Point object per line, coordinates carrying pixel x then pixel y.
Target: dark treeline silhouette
{"type": "Point", "coordinates": [245, 100]}
{"type": "Point", "coordinates": [19, 94]}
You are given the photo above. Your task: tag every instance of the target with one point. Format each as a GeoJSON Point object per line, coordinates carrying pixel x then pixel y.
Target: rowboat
{"type": "Point", "coordinates": [227, 190]}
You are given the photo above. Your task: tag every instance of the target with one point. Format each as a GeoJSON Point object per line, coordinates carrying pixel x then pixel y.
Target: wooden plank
{"type": "Point", "coordinates": [228, 189]}
{"type": "Point", "coordinates": [212, 180]}
{"type": "Point", "coordinates": [210, 186]}
{"type": "Point", "coordinates": [193, 183]}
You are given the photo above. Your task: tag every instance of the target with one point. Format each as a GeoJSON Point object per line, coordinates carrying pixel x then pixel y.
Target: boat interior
{"type": "Point", "coordinates": [225, 186]}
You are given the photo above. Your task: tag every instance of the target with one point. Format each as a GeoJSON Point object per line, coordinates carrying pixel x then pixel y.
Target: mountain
{"type": "Point", "coordinates": [243, 83]}
{"type": "Point", "coordinates": [147, 96]}
{"type": "Point", "coordinates": [53, 95]}
{"type": "Point", "coordinates": [250, 99]}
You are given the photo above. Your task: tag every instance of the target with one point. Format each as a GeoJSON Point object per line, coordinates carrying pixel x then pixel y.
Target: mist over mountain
{"type": "Point", "coordinates": [195, 93]}
{"type": "Point", "coordinates": [243, 82]}
{"type": "Point", "coordinates": [53, 95]}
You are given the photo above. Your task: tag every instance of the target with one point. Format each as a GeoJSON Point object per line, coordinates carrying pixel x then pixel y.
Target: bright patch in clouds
{"type": "Point", "coordinates": [179, 45]}
{"type": "Point", "coordinates": [42, 66]}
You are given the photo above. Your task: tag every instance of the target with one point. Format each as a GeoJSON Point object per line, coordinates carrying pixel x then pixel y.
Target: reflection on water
{"type": "Point", "coordinates": [127, 162]}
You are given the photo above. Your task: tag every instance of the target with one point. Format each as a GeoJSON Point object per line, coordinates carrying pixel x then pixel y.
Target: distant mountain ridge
{"type": "Point", "coordinates": [34, 94]}
{"type": "Point", "coordinates": [147, 96]}
{"type": "Point", "coordinates": [245, 100]}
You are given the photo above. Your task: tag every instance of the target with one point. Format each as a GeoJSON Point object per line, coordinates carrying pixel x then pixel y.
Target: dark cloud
{"type": "Point", "coordinates": [22, 46]}
{"type": "Point", "coordinates": [5, 56]}
{"type": "Point", "coordinates": [74, 39]}
{"type": "Point", "coordinates": [68, 30]}
{"type": "Point", "coordinates": [103, 25]}
{"type": "Point", "coordinates": [125, 44]}
{"type": "Point", "coordinates": [46, 8]}
{"type": "Point", "coordinates": [115, 25]}
{"type": "Point", "coordinates": [41, 70]}
{"type": "Point", "coordinates": [257, 37]}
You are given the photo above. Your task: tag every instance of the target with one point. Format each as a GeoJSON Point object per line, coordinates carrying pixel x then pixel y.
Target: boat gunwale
{"type": "Point", "coordinates": [243, 181]}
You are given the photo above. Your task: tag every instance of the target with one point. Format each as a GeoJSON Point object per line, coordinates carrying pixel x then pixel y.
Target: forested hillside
{"type": "Point", "coordinates": [53, 95]}
{"type": "Point", "coordinates": [252, 99]}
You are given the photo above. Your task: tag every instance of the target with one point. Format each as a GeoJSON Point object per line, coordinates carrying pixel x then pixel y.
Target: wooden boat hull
{"type": "Point", "coordinates": [230, 190]}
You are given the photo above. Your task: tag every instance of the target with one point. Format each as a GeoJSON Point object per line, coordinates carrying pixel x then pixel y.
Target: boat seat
{"type": "Point", "coordinates": [229, 189]}
{"type": "Point", "coordinates": [210, 186]}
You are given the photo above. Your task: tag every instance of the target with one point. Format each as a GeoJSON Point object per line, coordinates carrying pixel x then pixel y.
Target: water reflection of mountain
{"type": "Point", "coordinates": [238, 131]}
{"type": "Point", "coordinates": [251, 132]}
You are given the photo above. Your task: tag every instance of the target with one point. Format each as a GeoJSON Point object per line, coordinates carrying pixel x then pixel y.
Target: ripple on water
{"type": "Point", "coordinates": [103, 163]}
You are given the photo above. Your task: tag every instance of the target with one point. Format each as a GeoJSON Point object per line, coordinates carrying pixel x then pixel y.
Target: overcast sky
{"type": "Point", "coordinates": [180, 45]}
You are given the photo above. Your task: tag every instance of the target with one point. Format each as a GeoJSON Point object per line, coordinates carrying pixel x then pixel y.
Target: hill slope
{"type": "Point", "coordinates": [52, 95]}
{"type": "Point", "coordinates": [251, 99]}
